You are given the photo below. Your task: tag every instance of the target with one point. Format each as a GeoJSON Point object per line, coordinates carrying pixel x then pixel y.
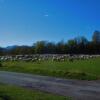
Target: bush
{"type": "Point", "coordinates": [0, 64]}
{"type": "Point", "coordinates": [3, 96]}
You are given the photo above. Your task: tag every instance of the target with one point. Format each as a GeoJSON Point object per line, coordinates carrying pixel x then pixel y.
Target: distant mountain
{"type": "Point", "coordinates": [11, 47]}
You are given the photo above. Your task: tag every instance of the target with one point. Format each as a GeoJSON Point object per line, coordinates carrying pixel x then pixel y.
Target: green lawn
{"type": "Point", "coordinates": [18, 93]}
{"type": "Point", "coordinates": [80, 69]}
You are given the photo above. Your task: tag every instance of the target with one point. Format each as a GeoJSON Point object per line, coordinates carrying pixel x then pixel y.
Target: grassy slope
{"type": "Point", "coordinates": [16, 93]}
{"type": "Point", "coordinates": [81, 69]}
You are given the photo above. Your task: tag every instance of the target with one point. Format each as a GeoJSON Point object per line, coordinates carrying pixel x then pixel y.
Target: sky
{"type": "Point", "coordinates": [23, 22]}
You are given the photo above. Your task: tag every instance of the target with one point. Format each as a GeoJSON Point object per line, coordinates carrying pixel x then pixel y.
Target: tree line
{"type": "Point", "coordinates": [78, 45]}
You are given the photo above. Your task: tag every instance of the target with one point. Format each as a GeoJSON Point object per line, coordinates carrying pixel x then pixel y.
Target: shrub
{"type": "Point", "coordinates": [0, 64]}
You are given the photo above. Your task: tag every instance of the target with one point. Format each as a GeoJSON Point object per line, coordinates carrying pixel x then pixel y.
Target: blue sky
{"type": "Point", "coordinates": [23, 22]}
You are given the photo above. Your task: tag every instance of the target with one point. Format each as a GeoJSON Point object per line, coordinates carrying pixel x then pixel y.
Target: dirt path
{"type": "Point", "coordinates": [79, 90]}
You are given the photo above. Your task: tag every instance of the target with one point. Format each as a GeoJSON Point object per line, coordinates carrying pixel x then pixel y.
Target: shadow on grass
{"type": "Point", "coordinates": [3, 96]}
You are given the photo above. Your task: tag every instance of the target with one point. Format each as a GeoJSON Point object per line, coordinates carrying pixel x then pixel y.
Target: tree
{"type": "Point", "coordinates": [40, 47]}
{"type": "Point", "coordinates": [81, 44]}
{"type": "Point", "coordinates": [72, 44]}
{"type": "Point", "coordinates": [1, 51]}
{"type": "Point", "coordinates": [50, 48]}
{"type": "Point", "coordinates": [81, 40]}
{"type": "Point", "coordinates": [20, 50]}
{"type": "Point", "coordinates": [60, 47]}
{"type": "Point", "coordinates": [96, 37]}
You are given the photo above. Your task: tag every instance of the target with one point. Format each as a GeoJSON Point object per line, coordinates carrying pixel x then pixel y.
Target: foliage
{"type": "Point", "coordinates": [96, 37]}
{"type": "Point", "coordinates": [78, 45]}
{"type": "Point", "coordinates": [0, 64]}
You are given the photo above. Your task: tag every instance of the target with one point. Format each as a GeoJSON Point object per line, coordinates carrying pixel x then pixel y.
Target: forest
{"type": "Point", "coordinates": [78, 45]}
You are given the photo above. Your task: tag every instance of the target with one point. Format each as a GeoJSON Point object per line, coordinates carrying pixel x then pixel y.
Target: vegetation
{"type": "Point", "coordinates": [86, 69]}
{"type": "Point", "coordinates": [78, 69]}
{"type": "Point", "coordinates": [17, 93]}
{"type": "Point", "coordinates": [78, 45]}
{"type": "Point", "coordinates": [0, 64]}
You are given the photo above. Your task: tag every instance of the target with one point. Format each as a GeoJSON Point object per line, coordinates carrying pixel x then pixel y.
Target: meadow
{"type": "Point", "coordinates": [78, 69]}
{"type": "Point", "coordinates": [17, 93]}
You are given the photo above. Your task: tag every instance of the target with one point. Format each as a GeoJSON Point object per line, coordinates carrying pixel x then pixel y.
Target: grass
{"type": "Point", "coordinates": [18, 93]}
{"type": "Point", "coordinates": [79, 69]}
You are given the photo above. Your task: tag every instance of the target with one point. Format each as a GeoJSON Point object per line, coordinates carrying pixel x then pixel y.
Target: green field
{"type": "Point", "coordinates": [18, 93]}
{"type": "Point", "coordinates": [79, 69]}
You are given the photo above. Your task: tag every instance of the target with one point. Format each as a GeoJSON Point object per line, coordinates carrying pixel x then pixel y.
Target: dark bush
{"type": "Point", "coordinates": [0, 64]}
{"type": "Point", "coordinates": [3, 96]}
